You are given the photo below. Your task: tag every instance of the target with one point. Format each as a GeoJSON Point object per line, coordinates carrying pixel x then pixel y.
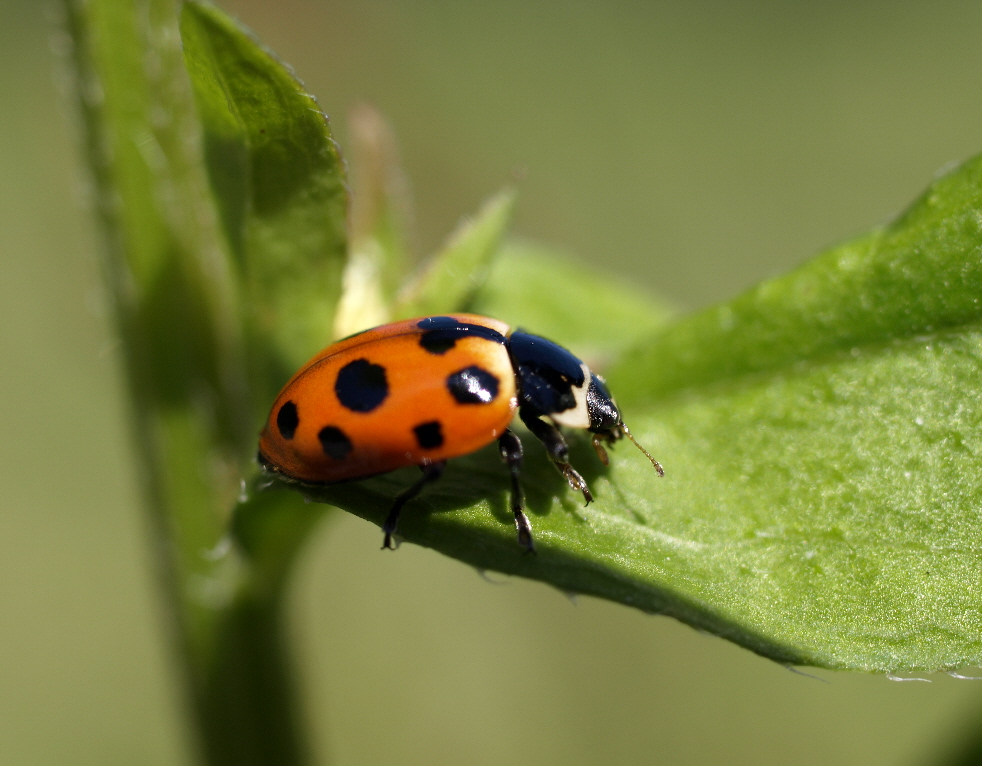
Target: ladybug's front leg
{"type": "Point", "coordinates": [431, 472]}
{"type": "Point", "coordinates": [556, 446]}
{"type": "Point", "coordinates": [510, 447]}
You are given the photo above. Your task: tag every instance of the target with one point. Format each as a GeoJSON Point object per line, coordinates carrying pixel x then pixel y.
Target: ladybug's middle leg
{"type": "Point", "coordinates": [431, 472]}
{"type": "Point", "coordinates": [556, 446]}
{"type": "Point", "coordinates": [510, 447]}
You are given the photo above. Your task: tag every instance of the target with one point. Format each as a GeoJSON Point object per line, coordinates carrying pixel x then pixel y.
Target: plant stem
{"type": "Point", "coordinates": [175, 304]}
{"type": "Point", "coordinates": [248, 714]}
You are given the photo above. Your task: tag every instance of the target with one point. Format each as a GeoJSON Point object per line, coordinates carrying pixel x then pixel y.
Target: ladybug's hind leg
{"type": "Point", "coordinates": [510, 447]}
{"type": "Point", "coordinates": [431, 472]}
{"type": "Point", "coordinates": [558, 451]}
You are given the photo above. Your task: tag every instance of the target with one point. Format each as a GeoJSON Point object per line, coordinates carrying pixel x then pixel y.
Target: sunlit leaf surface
{"type": "Point", "coordinates": [821, 440]}
{"type": "Point", "coordinates": [279, 186]}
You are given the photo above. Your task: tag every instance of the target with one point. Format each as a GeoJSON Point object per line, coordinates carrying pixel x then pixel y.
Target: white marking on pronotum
{"type": "Point", "coordinates": [578, 416]}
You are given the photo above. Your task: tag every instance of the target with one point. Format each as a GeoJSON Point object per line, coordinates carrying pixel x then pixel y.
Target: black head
{"type": "Point", "coordinates": [604, 415]}
{"type": "Point", "coordinates": [606, 423]}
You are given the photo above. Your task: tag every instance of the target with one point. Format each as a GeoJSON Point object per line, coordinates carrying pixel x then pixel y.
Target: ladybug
{"type": "Point", "coordinates": [422, 391]}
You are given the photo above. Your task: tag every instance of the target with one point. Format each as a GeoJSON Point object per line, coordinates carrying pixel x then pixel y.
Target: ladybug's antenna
{"type": "Point", "coordinates": [655, 463]}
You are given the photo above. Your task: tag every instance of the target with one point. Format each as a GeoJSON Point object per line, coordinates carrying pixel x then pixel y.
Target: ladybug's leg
{"type": "Point", "coordinates": [555, 445]}
{"type": "Point", "coordinates": [510, 447]}
{"type": "Point", "coordinates": [431, 472]}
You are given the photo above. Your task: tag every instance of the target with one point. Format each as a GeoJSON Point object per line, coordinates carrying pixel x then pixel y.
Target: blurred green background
{"type": "Point", "coordinates": [692, 147]}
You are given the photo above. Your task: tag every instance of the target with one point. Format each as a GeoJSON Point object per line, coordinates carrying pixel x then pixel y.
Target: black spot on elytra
{"type": "Point", "coordinates": [473, 385]}
{"type": "Point", "coordinates": [287, 420]}
{"type": "Point", "coordinates": [361, 386]}
{"type": "Point", "coordinates": [440, 334]}
{"type": "Point", "coordinates": [429, 435]}
{"type": "Point", "coordinates": [334, 442]}
{"type": "Point", "coordinates": [437, 341]}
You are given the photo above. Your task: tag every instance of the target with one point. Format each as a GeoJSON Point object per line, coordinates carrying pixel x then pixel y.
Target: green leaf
{"type": "Point", "coordinates": [172, 289]}
{"type": "Point", "coordinates": [279, 182]}
{"type": "Point", "coordinates": [822, 441]}
{"type": "Point", "coordinates": [920, 275]}
{"type": "Point", "coordinates": [823, 432]}
{"type": "Point", "coordinates": [222, 281]}
{"type": "Point", "coordinates": [452, 278]}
